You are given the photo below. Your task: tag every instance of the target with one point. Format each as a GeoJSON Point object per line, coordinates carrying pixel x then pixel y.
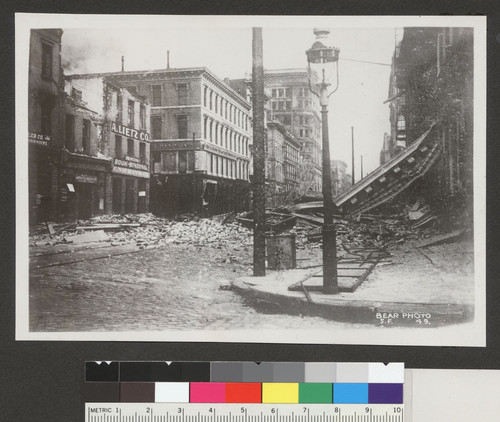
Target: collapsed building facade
{"type": "Point", "coordinates": [427, 157]}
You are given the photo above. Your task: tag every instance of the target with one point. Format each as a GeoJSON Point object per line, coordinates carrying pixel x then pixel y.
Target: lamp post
{"type": "Point", "coordinates": [322, 68]}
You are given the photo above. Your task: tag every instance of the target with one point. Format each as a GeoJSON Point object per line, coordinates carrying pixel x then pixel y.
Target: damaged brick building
{"type": "Point", "coordinates": [431, 86]}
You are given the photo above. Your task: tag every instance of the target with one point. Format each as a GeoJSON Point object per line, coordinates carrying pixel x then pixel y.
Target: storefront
{"type": "Point", "coordinates": [84, 186]}
{"type": "Point", "coordinates": [130, 186]}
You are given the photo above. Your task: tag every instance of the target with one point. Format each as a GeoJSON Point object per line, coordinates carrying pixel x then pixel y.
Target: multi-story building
{"type": "Point", "coordinates": [292, 104]}
{"type": "Point", "coordinates": [341, 180]}
{"type": "Point", "coordinates": [282, 165]}
{"type": "Point", "coordinates": [431, 85]}
{"type": "Point", "coordinates": [106, 157]}
{"type": "Point", "coordinates": [201, 138]}
{"type": "Point", "coordinates": [45, 105]}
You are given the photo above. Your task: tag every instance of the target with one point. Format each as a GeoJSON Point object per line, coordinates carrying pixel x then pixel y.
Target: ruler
{"type": "Point", "coordinates": [223, 412]}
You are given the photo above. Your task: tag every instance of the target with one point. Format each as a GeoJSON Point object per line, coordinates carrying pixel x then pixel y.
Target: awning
{"type": "Point", "coordinates": [390, 179]}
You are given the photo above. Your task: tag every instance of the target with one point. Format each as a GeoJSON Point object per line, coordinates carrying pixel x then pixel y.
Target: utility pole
{"type": "Point", "coordinates": [194, 173]}
{"type": "Point", "coordinates": [259, 199]}
{"type": "Point", "coordinates": [352, 155]}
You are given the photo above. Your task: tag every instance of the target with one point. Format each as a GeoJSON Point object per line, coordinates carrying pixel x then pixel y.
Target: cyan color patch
{"type": "Point", "coordinates": [350, 393]}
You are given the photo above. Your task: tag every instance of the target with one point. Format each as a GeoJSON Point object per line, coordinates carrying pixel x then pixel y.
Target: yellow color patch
{"type": "Point", "coordinates": [280, 392]}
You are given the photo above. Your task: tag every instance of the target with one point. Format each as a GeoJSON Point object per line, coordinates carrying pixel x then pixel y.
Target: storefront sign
{"type": "Point", "coordinates": [140, 135]}
{"type": "Point", "coordinates": [38, 139]}
{"type": "Point", "coordinates": [131, 172]}
{"type": "Point", "coordinates": [142, 193]}
{"type": "Point", "coordinates": [134, 159]}
{"type": "Point", "coordinates": [85, 178]}
{"type": "Point", "coordinates": [70, 186]}
{"type": "Point", "coordinates": [130, 165]}
{"type": "Point", "coordinates": [175, 145]}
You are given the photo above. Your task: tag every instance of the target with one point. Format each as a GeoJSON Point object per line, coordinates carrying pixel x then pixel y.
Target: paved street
{"type": "Point", "coordinates": [173, 287]}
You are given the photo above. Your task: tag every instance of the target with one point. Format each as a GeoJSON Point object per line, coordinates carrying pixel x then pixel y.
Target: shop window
{"type": "Point", "coordinates": [156, 95]}
{"type": "Point", "coordinates": [170, 162]}
{"type": "Point", "coordinates": [190, 161]}
{"type": "Point", "coordinates": [157, 157]}
{"type": "Point", "coordinates": [142, 152]}
{"type": "Point", "coordinates": [69, 141]}
{"type": "Point", "coordinates": [182, 128]}
{"type": "Point", "coordinates": [182, 161]}
{"type": "Point", "coordinates": [47, 61]}
{"type": "Point", "coordinates": [86, 135]}
{"type": "Point", "coordinates": [131, 113]}
{"type": "Point", "coordinates": [156, 123]}
{"type": "Point", "coordinates": [182, 93]}
{"type": "Point", "coordinates": [130, 147]}
{"type": "Point", "coordinates": [118, 147]}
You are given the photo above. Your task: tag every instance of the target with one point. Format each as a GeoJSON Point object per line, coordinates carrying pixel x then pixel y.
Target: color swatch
{"type": "Point", "coordinates": [244, 382]}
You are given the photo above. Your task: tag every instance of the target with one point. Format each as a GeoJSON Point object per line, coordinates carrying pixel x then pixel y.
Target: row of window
{"type": "Point", "coordinates": [291, 153]}
{"type": "Point", "coordinates": [119, 151]}
{"type": "Point", "coordinates": [157, 94]}
{"type": "Point", "coordinates": [224, 108]}
{"type": "Point", "coordinates": [287, 92]}
{"type": "Point", "coordinates": [70, 135]}
{"type": "Point", "coordinates": [225, 167]}
{"type": "Point", "coordinates": [157, 127]}
{"type": "Point", "coordinates": [130, 121]}
{"type": "Point", "coordinates": [173, 161]}
{"type": "Point", "coordinates": [287, 105]}
{"type": "Point", "coordinates": [291, 171]}
{"type": "Point", "coordinates": [225, 137]}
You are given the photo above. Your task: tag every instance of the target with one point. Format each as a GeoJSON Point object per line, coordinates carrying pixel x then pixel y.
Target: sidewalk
{"type": "Point", "coordinates": [412, 287]}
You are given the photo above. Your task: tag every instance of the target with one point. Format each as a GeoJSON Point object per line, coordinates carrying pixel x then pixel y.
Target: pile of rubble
{"type": "Point", "coordinates": [145, 230]}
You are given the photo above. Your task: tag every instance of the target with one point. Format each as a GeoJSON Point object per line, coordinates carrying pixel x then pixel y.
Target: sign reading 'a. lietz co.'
{"type": "Point", "coordinates": [140, 135]}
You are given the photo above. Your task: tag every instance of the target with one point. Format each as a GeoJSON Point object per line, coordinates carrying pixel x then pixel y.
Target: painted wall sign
{"type": "Point", "coordinates": [134, 159]}
{"type": "Point", "coordinates": [38, 139]}
{"type": "Point", "coordinates": [130, 164]}
{"type": "Point", "coordinates": [175, 145]}
{"type": "Point", "coordinates": [140, 135]}
{"type": "Point", "coordinates": [142, 193]}
{"type": "Point", "coordinates": [85, 178]}
{"type": "Point", "coordinates": [131, 172]}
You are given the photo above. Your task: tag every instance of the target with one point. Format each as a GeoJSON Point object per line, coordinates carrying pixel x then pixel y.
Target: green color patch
{"type": "Point", "coordinates": [315, 392]}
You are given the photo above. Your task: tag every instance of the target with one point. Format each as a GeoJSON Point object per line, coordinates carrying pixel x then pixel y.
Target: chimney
{"type": "Point", "coordinates": [168, 59]}
{"type": "Point", "coordinates": [123, 63]}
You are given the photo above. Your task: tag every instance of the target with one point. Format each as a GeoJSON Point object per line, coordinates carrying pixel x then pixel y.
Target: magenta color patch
{"type": "Point", "coordinates": [207, 392]}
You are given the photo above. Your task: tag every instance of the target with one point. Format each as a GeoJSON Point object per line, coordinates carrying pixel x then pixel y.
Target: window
{"type": "Point", "coordinates": [288, 92]}
{"type": "Point", "coordinates": [211, 99]}
{"type": "Point", "coordinates": [287, 120]}
{"type": "Point", "coordinates": [69, 141]}
{"type": "Point", "coordinates": [182, 128]}
{"type": "Point", "coordinates": [130, 147]}
{"type": "Point", "coordinates": [142, 152]}
{"type": "Point", "coordinates": [131, 113]}
{"type": "Point", "coordinates": [142, 116]}
{"type": "Point", "coordinates": [170, 161]}
{"type": "Point", "coordinates": [156, 124]}
{"type": "Point", "coordinates": [182, 92]}
{"type": "Point", "coordinates": [216, 103]}
{"type": "Point", "coordinates": [274, 93]}
{"type": "Point", "coordinates": [119, 108]}
{"type": "Point", "coordinates": [156, 95]}
{"type": "Point", "coordinates": [132, 89]}
{"type": "Point", "coordinates": [205, 89]}
{"type": "Point", "coordinates": [46, 117]}
{"type": "Point", "coordinates": [76, 94]}
{"type": "Point", "coordinates": [85, 135]}
{"type": "Point", "coordinates": [46, 61]}
{"type": "Point", "coordinates": [118, 147]}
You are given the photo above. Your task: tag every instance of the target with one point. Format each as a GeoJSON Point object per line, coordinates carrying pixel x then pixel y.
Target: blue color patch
{"type": "Point", "coordinates": [350, 392]}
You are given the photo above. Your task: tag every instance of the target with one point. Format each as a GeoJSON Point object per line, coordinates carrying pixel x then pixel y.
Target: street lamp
{"type": "Point", "coordinates": [322, 68]}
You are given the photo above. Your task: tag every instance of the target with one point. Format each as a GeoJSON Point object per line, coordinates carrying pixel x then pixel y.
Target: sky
{"type": "Point", "coordinates": [227, 51]}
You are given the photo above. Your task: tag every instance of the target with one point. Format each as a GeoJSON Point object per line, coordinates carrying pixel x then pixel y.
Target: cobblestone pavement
{"type": "Point", "coordinates": [175, 287]}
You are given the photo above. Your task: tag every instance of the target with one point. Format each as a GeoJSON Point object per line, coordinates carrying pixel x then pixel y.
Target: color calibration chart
{"type": "Point", "coordinates": [243, 392]}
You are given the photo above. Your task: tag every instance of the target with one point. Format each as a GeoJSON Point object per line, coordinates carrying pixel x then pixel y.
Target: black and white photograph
{"type": "Point", "coordinates": [264, 179]}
